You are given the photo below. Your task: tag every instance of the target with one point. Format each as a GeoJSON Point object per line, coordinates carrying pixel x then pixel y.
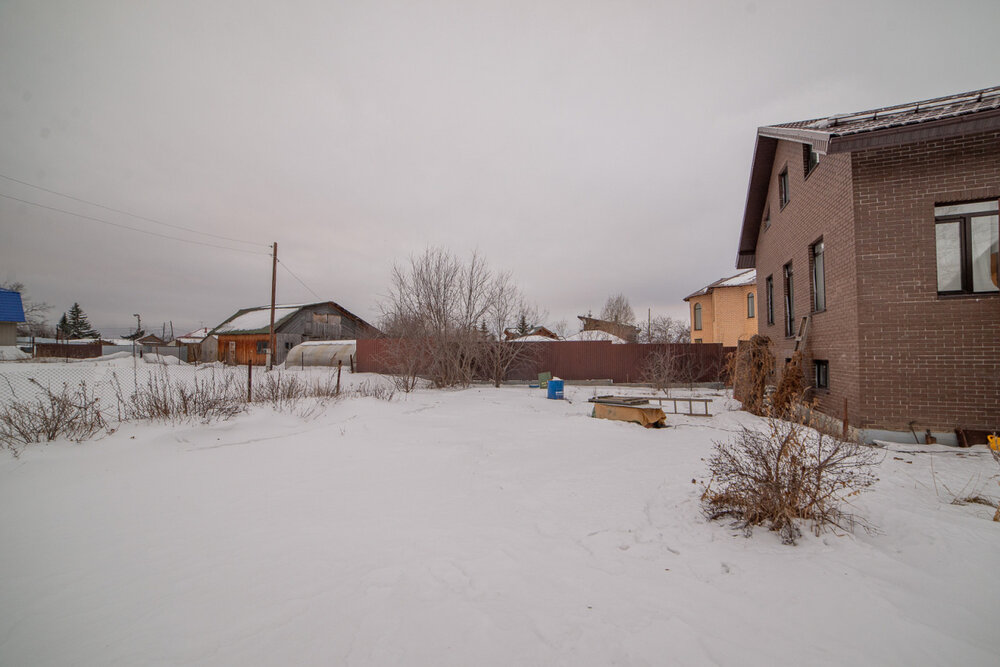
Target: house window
{"type": "Point", "coordinates": [697, 317]}
{"type": "Point", "coordinates": [789, 301]}
{"type": "Point", "coordinates": [262, 347]}
{"type": "Point", "coordinates": [821, 373]}
{"type": "Point", "coordinates": [750, 305]}
{"type": "Point", "coordinates": [818, 276]}
{"type": "Point", "coordinates": [697, 340]}
{"type": "Point", "coordinates": [810, 159]}
{"type": "Point", "coordinates": [783, 187]}
{"type": "Point", "coordinates": [967, 247]}
{"type": "Point", "coordinates": [769, 298]}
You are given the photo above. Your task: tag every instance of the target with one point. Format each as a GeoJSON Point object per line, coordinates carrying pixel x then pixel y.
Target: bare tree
{"type": "Point", "coordinates": [664, 329]}
{"type": "Point", "coordinates": [617, 309]}
{"type": "Point", "coordinates": [452, 315]}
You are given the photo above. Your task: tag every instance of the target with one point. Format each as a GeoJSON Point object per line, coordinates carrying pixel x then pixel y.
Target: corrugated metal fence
{"type": "Point", "coordinates": [583, 360]}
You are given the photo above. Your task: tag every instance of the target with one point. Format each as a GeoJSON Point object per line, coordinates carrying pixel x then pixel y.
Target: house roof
{"type": "Point", "coordinates": [741, 279]}
{"type": "Point", "coordinates": [11, 308]}
{"type": "Point", "coordinates": [940, 117]}
{"type": "Point", "coordinates": [257, 320]}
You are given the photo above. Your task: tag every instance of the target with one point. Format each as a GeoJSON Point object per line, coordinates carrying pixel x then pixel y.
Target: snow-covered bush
{"type": "Point", "coordinates": [787, 473]}
{"type": "Point", "coordinates": [67, 413]}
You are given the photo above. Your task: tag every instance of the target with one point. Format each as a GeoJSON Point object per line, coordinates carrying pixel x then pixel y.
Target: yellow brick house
{"type": "Point", "coordinates": [725, 311]}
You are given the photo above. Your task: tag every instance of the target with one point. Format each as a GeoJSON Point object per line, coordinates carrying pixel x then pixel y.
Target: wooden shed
{"type": "Point", "coordinates": [243, 338]}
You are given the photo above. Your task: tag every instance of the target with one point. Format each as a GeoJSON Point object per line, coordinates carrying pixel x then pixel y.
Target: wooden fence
{"type": "Point", "coordinates": [583, 360]}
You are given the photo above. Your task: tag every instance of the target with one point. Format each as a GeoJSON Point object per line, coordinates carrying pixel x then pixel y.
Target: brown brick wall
{"type": "Point", "coordinates": [820, 206]}
{"type": "Point", "coordinates": [930, 359]}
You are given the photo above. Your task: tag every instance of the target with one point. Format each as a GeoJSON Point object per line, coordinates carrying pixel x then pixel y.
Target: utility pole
{"type": "Point", "coordinates": [274, 282]}
{"type": "Point", "coordinates": [649, 325]}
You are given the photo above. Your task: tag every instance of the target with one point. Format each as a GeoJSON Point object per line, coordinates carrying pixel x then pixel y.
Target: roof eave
{"type": "Point", "coordinates": [760, 176]}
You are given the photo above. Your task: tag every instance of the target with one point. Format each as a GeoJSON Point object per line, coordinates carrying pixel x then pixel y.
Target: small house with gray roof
{"type": "Point", "coordinates": [243, 338]}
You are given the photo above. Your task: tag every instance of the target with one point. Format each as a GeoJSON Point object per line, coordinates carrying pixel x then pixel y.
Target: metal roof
{"type": "Point", "coordinates": [741, 279]}
{"type": "Point", "coordinates": [11, 308]}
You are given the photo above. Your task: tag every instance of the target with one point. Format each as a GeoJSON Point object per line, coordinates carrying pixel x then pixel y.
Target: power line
{"type": "Point", "coordinates": [134, 229]}
{"type": "Point", "coordinates": [299, 279]}
{"type": "Point", "coordinates": [134, 215]}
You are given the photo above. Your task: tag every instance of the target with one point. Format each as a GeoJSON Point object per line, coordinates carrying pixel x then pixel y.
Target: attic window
{"type": "Point", "coordinates": [810, 159]}
{"type": "Point", "coordinates": [783, 197]}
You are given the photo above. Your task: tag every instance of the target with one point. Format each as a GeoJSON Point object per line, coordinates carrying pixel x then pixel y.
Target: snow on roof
{"type": "Point", "coordinates": [741, 279]}
{"type": "Point", "coordinates": [595, 335]}
{"type": "Point", "coordinates": [315, 343]}
{"type": "Point", "coordinates": [533, 339]}
{"type": "Point", "coordinates": [257, 319]}
{"type": "Point", "coordinates": [911, 113]}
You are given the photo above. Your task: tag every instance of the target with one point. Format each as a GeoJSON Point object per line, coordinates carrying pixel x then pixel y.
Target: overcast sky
{"type": "Point", "coordinates": [589, 147]}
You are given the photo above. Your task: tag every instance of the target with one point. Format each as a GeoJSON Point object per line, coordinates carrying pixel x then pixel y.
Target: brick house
{"type": "Point", "coordinates": [725, 311]}
{"type": "Point", "coordinates": [881, 227]}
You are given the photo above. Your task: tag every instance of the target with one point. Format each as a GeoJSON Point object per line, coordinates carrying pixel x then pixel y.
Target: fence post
{"type": "Point", "coordinates": [340, 366]}
{"type": "Point", "coordinates": [352, 363]}
{"type": "Point", "coordinates": [250, 381]}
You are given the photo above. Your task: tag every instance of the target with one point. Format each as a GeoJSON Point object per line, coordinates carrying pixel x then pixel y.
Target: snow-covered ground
{"type": "Point", "coordinates": [478, 527]}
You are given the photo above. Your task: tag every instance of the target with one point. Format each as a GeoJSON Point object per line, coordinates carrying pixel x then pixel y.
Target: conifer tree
{"type": "Point", "coordinates": [522, 326]}
{"type": "Point", "coordinates": [62, 329]}
{"type": "Point", "coordinates": [79, 325]}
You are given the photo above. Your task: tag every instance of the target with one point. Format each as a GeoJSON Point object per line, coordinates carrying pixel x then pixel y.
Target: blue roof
{"type": "Point", "coordinates": [11, 309]}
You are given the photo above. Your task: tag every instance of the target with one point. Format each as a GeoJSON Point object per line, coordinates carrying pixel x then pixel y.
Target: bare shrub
{"type": "Point", "coordinates": [371, 389]}
{"type": "Point", "coordinates": [791, 388]}
{"type": "Point", "coordinates": [66, 413]}
{"type": "Point", "coordinates": [788, 473]}
{"type": "Point", "coordinates": [658, 370]}
{"type": "Point", "coordinates": [994, 444]}
{"type": "Point", "coordinates": [160, 398]}
{"type": "Point", "coordinates": [748, 371]}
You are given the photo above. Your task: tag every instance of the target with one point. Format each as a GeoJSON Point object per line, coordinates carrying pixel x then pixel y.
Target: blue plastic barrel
{"type": "Point", "coordinates": [556, 389]}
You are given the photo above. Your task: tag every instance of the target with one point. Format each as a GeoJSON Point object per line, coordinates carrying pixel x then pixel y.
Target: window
{"type": "Point", "coordinates": [789, 301]}
{"type": "Point", "coordinates": [967, 241]}
{"type": "Point", "coordinates": [262, 347]}
{"type": "Point", "coordinates": [697, 317]}
{"type": "Point", "coordinates": [697, 340]}
{"type": "Point", "coordinates": [769, 298]}
{"type": "Point", "coordinates": [750, 306]}
{"type": "Point", "coordinates": [783, 187]}
{"type": "Point", "coordinates": [821, 374]}
{"type": "Point", "coordinates": [818, 276]}
{"type": "Point", "coordinates": [810, 159]}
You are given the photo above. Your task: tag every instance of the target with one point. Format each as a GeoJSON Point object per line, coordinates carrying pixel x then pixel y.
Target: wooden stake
{"type": "Point", "coordinates": [274, 282]}
{"type": "Point", "coordinates": [340, 367]}
{"type": "Point", "coordinates": [250, 381]}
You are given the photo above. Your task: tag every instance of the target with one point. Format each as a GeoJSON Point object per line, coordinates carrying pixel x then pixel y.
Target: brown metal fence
{"type": "Point", "coordinates": [67, 350]}
{"type": "Point", "coordinates": [582, 360]}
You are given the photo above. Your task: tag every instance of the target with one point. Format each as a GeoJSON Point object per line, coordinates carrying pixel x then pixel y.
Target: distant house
{"type": "Point", "coordinates": [243, 338]}
{"type": "Point", "coordinates": [541, 332]}
{"type": "Point", "coordinates": [11, 314]}
{"type": "Point", "coordinates": [626, 332]}
{"type": "Point", "coordinates": [725, 311]}
{"type": "Point", "coordinates": [192, 342]}
{"type": "Point", "coordinates": [878, 231]}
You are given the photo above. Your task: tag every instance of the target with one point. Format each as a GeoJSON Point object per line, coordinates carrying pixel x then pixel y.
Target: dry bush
{"type": "Point", "coordinates": [658, 370]}
{"type": "Point", "coordinates": [791, 388]}
{"type": "Point", "coordinates": [748, 371]}
{"type": "Point", "coordinates": [785, 474]}
{"type": "Point", "coordinates": [371, 389]}
{"type": "Point", "coordinates": [67, 413]}
{"type": "Point", "coordinates": [160, 398]}
{"type": "Point", "coordinates": [994, 441]}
